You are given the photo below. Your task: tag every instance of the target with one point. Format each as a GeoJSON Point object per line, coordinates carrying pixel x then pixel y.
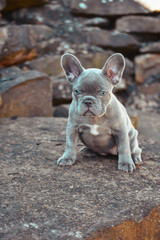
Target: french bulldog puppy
{"type": "Point", "coordinates": [96, 116]}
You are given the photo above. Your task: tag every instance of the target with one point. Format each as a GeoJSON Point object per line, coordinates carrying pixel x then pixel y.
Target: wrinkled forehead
{"type": "Point", "coordinates": [92, 79]}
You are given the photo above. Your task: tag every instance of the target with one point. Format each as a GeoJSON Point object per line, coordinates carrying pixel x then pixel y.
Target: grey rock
{"type": "Point", "coordinates": [61, 111]}
{"type": "Point", "coordinates": [153, 47]}
{"type": "Point", "coordinates": [107, 8]}
{"type": "Point", "coordinates": [49, 64]}
{"type": "Point", "coordinates": [138, 24]}
{"type": "Point", "coordinates": [112, 39]}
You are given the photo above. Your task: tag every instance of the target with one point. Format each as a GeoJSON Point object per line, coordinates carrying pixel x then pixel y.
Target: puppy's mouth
{"type": "Point", "coordinates": [89, 113]}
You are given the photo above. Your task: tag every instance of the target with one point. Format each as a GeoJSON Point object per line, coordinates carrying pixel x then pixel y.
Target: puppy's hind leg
{"type": "Point", "coordinates": [135, 149]}
{"type": "Point", "coordinates": [86, 152]}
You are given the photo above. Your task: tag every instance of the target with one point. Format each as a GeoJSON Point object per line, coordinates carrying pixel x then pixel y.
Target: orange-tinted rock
{"type": "Point", "coordinates": [148, 228]}
{"type": "Point", "coordinates": [18, 57]}
{"type": "Point", "coordinates": [14, 4]}
{"type": "Point", "coordinates": [20, 43]}
{"type": "Point", "coordinates": [147, 67]}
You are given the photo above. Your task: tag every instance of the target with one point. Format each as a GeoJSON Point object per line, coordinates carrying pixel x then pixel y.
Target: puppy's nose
{"type": "Point", "coordinates": [88, 102]}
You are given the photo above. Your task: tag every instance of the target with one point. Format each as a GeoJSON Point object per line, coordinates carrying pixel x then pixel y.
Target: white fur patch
{"type": "Point", "coordinates": [93, 129]}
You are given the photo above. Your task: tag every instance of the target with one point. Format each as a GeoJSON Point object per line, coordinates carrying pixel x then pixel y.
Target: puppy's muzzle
{"type": "Point", "coordinates": [88, 102]}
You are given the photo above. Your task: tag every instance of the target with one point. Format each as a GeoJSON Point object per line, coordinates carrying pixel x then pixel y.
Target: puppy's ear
{"type": "Point", "coordinates": [71, 66]}
{"type": "Point", "coordinates": [114, 67]}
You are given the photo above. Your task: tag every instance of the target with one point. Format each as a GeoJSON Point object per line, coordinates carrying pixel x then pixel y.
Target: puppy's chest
{"type": "Point", "coordinates": [97, 137]}
{"type": "Point", "coordinates": [94, 129]}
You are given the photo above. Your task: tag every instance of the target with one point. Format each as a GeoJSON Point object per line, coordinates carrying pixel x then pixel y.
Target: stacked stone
{"type": "Point", "coordinates": [34, 38]}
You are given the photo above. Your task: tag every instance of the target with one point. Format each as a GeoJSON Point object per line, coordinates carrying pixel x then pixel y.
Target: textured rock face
{"type": "Point", "coordinates": [138, 24]}
{"type": "Point", "coordinates": [25, 93]}
{"type": "Point", "coordinates": [49, 64]}
{"type": "Point", "coordinates": [107, 8]}
{"type": "Point", "coordinates": [151, 48]}
{"type": "Point", "coordinates": [89, 200]}
{"type": "Point", "coordinates": [46, 15]}
{"type": "Point", "coordinates": [22, 43]}
{"type": "Point", "coordinates": [104, 38]}
{"type": "Point", "coordinates": [147, 67]}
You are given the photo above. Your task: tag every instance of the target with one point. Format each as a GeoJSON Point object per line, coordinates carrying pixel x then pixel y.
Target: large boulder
{"type": "Point", "coordinates": [25, 93]}
{"type": "Point", "coordinates": [107, 8]}
{"type": "Point", "coordinates": [23, 42]}
{"type": "Point", "coordinates": [91, 200]}
{"type": "Point", "coordinates": [138, 24]}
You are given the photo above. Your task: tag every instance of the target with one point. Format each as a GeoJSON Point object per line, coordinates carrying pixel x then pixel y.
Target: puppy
{"type": "Point", "coordinates": [96, 116]}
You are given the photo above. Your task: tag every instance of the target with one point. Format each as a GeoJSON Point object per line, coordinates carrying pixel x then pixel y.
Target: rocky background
{"type": "Point", "coordinates": [35, 33]}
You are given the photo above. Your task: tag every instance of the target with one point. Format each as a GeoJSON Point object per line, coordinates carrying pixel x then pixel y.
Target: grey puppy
{"type": "Point", "coordinates": [96, 116]}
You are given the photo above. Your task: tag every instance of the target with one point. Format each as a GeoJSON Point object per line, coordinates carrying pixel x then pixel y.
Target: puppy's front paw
{"type": "Point", "coordinates": [125, 163]}
{"type": "Point", "coordinates": [65, 161]}
{"type": "Point", "coordinates": [136, 158]}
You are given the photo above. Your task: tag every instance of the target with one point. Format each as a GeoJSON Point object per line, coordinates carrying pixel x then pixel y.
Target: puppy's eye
{"type": "Point", "coordinates": [77, 92]}
{"type": "Point", "coordinates": [103, 93]}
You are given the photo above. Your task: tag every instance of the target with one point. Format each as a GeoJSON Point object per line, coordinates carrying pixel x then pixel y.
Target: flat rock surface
{"type": "Point", "coordinates": [138, 24]}
{"type": "Point", "coordinates": [39, 200]}
{"type": "Point", "coordinates": [107, 8]}
{"type": "Point", "coordinates": [113, 39]}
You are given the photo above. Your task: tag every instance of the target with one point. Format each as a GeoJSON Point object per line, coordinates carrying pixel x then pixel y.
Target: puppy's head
{"type": "Point", "coordinates": [92, 87]}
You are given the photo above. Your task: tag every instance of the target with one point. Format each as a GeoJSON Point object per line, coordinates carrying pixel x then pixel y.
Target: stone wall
{"type": "Point", "coordinates": [33, 38]}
